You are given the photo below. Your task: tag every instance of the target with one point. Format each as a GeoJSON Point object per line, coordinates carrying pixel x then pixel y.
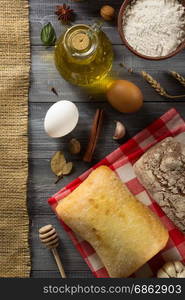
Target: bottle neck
{"type": "Point", "coordinates": [80, 42]}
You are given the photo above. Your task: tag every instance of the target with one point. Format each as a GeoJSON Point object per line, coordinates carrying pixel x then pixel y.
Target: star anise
{"type": "Point", "coordinates": [64, 13]}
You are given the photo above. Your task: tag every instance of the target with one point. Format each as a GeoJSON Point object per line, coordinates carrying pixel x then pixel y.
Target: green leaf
{"type": "Point", "coordinates": [48, 35]}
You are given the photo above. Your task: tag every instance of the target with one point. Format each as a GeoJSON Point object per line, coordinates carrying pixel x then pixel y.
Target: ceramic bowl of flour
{"type": "Point", "coordinates": [153, 30]}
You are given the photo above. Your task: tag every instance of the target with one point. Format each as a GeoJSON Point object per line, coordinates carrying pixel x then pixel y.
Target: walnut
{"type": "Point", "coordinates": [107, 12]}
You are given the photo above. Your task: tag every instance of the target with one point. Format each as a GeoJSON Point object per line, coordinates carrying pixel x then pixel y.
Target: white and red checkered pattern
{"type": "Point", "coordinates": [121, 161]}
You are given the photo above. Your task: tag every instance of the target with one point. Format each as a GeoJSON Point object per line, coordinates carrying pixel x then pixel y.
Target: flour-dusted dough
{"type": "Point", "coordinates": [123, 231]}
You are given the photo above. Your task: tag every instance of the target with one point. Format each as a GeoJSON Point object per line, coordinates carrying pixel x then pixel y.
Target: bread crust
{"type": "Point", "coordinates": [161, 170]}
{"type": "Point", "coordinates": [124, 232]}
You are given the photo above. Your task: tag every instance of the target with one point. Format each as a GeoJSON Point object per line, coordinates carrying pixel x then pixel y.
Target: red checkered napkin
{"type": "Point", "coordinates": [121, 161]}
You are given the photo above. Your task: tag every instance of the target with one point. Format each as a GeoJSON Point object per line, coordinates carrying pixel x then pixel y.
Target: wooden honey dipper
{"type": "Point", "coordinates": [49, 237]}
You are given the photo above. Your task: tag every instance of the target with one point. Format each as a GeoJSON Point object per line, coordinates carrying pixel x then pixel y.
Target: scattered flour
{"type": "Point", "coordinates": [154, 27]}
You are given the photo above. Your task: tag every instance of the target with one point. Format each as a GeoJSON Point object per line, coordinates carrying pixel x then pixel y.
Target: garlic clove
{"type": "Point", "coordinates": [169, 268]}
{"type": "Point", "coordinates": [181, 274]}
{"type": "Point", "coordinates": [162, 274]}
{"type": "Point", "coordinates": [120, 131]}
{"type": "Point", "coordinates": [179, 267]}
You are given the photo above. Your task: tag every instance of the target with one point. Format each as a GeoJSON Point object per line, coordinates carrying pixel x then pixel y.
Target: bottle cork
{"type": "Point", "coordinates": [80, 41]}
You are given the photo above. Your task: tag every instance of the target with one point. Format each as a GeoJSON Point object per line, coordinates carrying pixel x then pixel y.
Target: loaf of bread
{"type": "Point", "coordinates": [161, 170]}
{"type": "Point", "coordinates": [124, 232]}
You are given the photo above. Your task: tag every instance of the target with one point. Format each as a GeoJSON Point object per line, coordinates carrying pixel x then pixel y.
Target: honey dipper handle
{"type": "Point", "coordinates": [59, 263]}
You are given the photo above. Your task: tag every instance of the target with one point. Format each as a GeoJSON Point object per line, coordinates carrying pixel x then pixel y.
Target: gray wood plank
{"type": "Point", "coordinates": [55, 274]}
{"type": "Point", "coordinates": [86, 12]}
{"type": "Point", "coordinates": [42, 258]}
{"type": "Point", "coordinates": [41, 185]}
{"type": "Point", "coordinates": [42, 147]}
{"type": "Point", "coordinates": [44, 76]}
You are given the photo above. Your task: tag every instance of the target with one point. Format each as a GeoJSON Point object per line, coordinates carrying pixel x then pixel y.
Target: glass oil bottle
{"type": "Point", "coordinates": [84, 55]}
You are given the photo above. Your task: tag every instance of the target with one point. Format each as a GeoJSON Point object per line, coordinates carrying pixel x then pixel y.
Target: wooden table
{"type": "Point", "coordinates": [43, 77]}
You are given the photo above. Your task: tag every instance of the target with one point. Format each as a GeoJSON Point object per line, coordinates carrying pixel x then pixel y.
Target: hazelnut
{"type": "Point", "coordinates": [107, 12]}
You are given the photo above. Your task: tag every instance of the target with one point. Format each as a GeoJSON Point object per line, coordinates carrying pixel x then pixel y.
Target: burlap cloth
{"type": "Point", "coordinates": [14, 83]}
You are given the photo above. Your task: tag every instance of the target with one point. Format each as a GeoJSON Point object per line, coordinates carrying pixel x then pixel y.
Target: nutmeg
{"type": "Point", "coordinates": [107, 12]}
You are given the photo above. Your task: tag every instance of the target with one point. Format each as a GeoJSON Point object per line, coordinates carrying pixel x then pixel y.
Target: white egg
{"type": "Point", "coordinates": [61, 118]}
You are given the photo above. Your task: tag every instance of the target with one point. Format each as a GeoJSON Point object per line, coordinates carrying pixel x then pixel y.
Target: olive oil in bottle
{"type": "Point", "coordinates": [83, 55]}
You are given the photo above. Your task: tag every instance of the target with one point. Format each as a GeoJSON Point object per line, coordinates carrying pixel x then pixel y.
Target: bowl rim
{"type": "Point", "coordinates": [125, 42]}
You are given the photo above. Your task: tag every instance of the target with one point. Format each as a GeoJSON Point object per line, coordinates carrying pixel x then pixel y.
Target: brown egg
{"type": "Point", "coordinates": [125, 96]}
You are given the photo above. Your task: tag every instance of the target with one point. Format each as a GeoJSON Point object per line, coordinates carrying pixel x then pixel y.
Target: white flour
{"type": "Point", "coordinates": [154, 27]}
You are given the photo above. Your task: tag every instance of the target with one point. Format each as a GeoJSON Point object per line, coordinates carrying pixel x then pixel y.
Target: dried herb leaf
{"type": "Point", "coordinates": [48, 35]}
{"type": "Point", "coordinates": [74, 146]}
{"type": "Point", "coordinates": [57, 162]}
{"type": "Point", "coordinates": [67, 168]}
{"type": "Point", "coordinates": [59, 166]}
{"type": "Point", "coordinates": [58, 178]}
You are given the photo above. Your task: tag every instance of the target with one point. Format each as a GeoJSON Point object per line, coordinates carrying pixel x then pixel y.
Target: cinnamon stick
{"type": "Point", "coordinates": [94, 135]}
